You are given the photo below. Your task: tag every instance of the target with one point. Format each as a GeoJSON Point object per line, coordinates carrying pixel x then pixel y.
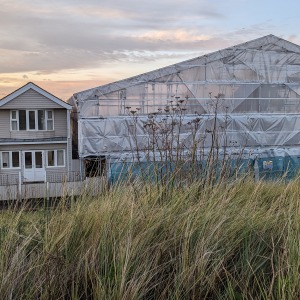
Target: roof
{"type": "Point", "coordinates": [268, 43]}
{"type": "Point", "coordinates": [36, 88]}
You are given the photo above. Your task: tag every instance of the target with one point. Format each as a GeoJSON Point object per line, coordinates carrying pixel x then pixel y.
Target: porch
{"type": "Point", "coordinates": [59, 184]}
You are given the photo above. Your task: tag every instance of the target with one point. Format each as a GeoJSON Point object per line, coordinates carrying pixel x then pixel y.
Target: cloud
{"type": "Point", "coordinates": [63, 89]}
{"type": "Point", "coordinates": [51, 39]}
{"type": "Point", "coordinates": [68, 34]}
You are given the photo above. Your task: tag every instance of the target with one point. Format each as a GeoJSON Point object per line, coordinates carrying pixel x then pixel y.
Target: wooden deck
{"type": "Point", "coordinates": [14, 191]}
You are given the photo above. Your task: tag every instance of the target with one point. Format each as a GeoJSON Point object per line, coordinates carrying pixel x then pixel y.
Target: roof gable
{"type": "Point", "coordinates": [39, 90]}
{"type": "Point", "coordinates": [269, 43]}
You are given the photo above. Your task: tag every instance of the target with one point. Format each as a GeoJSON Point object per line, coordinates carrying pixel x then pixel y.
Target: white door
{"type": "Point", "coordinates": [33, 166]}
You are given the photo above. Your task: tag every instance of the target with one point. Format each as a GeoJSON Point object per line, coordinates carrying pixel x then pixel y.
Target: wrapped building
{"type": "Point", "coordinates": [251, 89]}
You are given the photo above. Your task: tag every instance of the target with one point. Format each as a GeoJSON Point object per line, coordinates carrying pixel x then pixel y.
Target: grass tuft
{"type": "Point", "coordinates": [239, 240]}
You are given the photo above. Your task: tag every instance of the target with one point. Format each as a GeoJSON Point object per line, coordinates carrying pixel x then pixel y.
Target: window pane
{"type": "Point", "coordinates": [15, 160]}
{"type": "Point", "coordinates": [5, 159]}
{"type": "Point", "coordinates": [14, 114]}
{"type": "Point", "coordinates": [31, 119]}
{"type": "Point", "coordinates": [28, 160]}
{"type": "Point", "coordinates": [38, 160]}
{"type": "Point", "coordinates": [49, 114]}
{"type": "Point", "coordinates": [50, 158]}
{"type": "Point", "coordinates": [22, 119]}
{"type": "Point", "coordinates": [60, 158]}
{"type": "Point", "coordinates": [49, 124]}
{"type": "Point", "coordinates": [14, 125]}
{"type": "Point", "coordinates": [41, 119]}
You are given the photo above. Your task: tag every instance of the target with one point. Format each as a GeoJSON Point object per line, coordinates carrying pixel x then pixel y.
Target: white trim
{"type": "Point", "coordinates": [55, 158]}
{"type": "Point", "coordinates": [47, 119]}
{"type": "Point", "coordinates": [17, 119]}
{"type": "Point", "coordinates": [10, 160]}
{"type": "Point", "coordinates": [33, 173]}
{"type": "Point", "coordinates": [29, 86]}
{"type": "Point", "coordinates": [36, 120]}
{"type": "Point", "coordinates": [69, 144]}
{"type": "Point", "coordinates": [69, 124]}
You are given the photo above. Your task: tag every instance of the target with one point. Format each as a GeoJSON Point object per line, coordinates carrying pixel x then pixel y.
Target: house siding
{"type": "Point", "coordinates": [60, 126]}
{"type": "Point", "coordinates": [60, 122]}
{"type": "Point", "coordinates": [33, 147]}
{"type": "Point", "coordinates": [31, 100]}
{"type": "Point", "coordinates": [4, 124]}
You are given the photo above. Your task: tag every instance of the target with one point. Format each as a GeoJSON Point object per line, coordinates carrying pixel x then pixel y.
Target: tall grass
{"type": "Point", "coordinates": [236, 241]}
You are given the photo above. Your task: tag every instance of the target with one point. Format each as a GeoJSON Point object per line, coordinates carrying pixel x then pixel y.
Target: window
{"type": "Point", "coordinates": [41, 120]}
{"type": "Point", "coordinates": [32, 119]}
{"type": "Point", "coordinates": [50, 119]}
{"type": "Point", "coordinates": [50, 157]}
{"type": "Point", "coordinates": [5, 160]}
{"type": "Point", "coordinates": [10, 159]}
{"type": "Point", "coordinates": [15, 159]}
{"type": "Point", "coordinates": [14, 120]}
{"type": "Point", "coordinates": [38, 159]}
{"type": "Point", "coordinates": [56, 158]}
{"type": "Point", "coordinates": [28, 160]}
{"type": "Point", "coordinates": [60, 158]}
{"type": "Point", "coordinates": [22, 119]}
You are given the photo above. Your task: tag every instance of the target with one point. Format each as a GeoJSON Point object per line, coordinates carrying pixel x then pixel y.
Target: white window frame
{"type": "Point", "coordinates": [15, 120]}
{"type": "Point", "coordinates": [55, 159]}
{"type": "Point", "coordinates": [36, 120]}
{"type": "Point", "coordinates": [10, 167]}
{"type": "Point", "coordinates": [48, 119]}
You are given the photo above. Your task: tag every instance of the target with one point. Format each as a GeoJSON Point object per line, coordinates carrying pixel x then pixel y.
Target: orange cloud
{"type": "Point", "coordinates": [179, 35]}
{"type": "Point", "coordinates": [61, 89]}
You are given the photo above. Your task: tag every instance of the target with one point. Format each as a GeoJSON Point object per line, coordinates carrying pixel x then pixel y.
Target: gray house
{"type": "Point", "coordinates": [35, 141]}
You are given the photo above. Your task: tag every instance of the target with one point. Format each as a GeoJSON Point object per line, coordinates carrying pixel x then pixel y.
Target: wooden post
{"type": "Point", "coordinates": [47, 191]}
{"type": "Point", "coordinates": [20, 185]}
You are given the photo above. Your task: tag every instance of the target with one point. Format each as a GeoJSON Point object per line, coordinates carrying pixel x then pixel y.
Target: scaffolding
{"type": "Point", "coordinates": [257, 82]}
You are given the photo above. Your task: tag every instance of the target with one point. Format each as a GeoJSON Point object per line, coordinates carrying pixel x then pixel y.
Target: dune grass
{"type": "Point", "coordinates": [238, 240]}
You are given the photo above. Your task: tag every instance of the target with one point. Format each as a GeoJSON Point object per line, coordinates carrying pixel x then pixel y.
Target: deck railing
{"type": "Point", "coordinates": [9, 179]}
{"type": "Point", "coordinates": [57, 177]}
{"type": "Point", "coordinates": [45, 190]}
{"type": "Point", "coordinates": [63, 177]}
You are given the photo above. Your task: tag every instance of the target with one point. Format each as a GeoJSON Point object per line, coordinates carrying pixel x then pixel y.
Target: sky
{"type": "Point", "coordinates": [66, 46]}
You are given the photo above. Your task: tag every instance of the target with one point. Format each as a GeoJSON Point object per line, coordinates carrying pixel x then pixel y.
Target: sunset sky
{"type": "Point", "coordinates": [67, 46]}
